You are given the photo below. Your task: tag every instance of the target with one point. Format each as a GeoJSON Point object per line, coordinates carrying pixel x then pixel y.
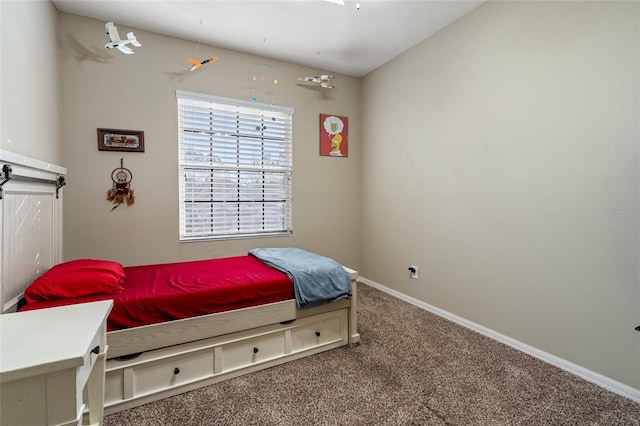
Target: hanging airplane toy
{"type": "Point", "coordinates": [198, 64]}
{"type": "Point", "coordinates": [117, 43]}
{"type": "Point", "coordinates": [323, 80]}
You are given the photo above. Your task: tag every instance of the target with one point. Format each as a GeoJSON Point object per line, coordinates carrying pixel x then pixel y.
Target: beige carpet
{"type": "Point", "coordinates": [411, 368]}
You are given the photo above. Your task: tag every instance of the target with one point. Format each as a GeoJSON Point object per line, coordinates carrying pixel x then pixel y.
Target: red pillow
{"type": "Point", "coordinates": [81, 277]}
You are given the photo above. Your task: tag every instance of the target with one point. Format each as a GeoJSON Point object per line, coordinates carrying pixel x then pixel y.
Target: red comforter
{"type": "Point", "coordinates": [170, 291]}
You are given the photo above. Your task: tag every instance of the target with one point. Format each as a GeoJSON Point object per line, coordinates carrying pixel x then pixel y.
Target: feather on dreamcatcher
{"type": "Point", "coordinates": [121, 191]}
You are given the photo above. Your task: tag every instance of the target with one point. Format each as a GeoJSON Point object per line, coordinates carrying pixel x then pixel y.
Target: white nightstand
{"type": "Point", "coordinates": [47, 357]}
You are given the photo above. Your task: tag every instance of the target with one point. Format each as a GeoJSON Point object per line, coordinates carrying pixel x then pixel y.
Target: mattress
{"type": "Point", "coordinates": [170, 291]}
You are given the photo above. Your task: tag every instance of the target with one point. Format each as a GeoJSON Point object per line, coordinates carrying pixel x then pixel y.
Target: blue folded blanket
{"type": "Point", "coordinates": [316, 279]}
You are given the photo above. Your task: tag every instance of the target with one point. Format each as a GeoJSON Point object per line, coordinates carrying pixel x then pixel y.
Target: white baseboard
{"type": "Point", "coordinates": [589, 375]}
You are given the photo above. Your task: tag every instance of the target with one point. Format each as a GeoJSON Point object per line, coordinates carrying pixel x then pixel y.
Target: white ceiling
{"type": "Point", "coordinates": [315, 33]}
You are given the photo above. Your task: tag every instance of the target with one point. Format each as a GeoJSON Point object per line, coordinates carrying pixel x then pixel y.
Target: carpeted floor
{"type": "Point", "coordinates": [411, 368]}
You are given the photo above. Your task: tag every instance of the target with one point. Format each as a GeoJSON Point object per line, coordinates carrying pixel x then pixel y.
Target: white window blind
{"type": "Point", "coordinates": [235, 166]}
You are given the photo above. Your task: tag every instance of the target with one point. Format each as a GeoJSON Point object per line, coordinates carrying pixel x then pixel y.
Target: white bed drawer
{"type": "Point", "coordinates": [165, 373]}
{"type": "Point", "coordinates": [326, 329]}
{"type": "Point", "coordinates": [253, 350]}
{"type": "Point", "coordinates": [153, 372]}
{"type": "Point", "coordinates": [150, 376]}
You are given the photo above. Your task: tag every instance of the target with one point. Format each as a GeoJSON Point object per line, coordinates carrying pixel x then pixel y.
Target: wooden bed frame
{"type": "Point", "coordinates": [142, 339]}
{"type": "Point", "coordinates": [160, 360]}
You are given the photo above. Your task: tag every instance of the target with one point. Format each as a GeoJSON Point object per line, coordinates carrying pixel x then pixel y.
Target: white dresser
{"type": "Point", "coordinates": [47, 358]}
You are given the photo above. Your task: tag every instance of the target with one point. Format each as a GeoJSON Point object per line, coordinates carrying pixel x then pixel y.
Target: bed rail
{"type": "Point", "coordinates": [7, 175]}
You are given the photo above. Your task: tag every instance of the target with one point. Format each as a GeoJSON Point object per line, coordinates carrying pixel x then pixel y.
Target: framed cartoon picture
{"type": "Point", "coordinates": [120, 140]}
{"type": "Point", "coordinates": [334, 135]}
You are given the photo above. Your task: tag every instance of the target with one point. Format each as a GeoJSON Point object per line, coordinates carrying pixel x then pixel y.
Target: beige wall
{"type": "Point", "coordinates": [29, 80]}
{"type": "Point", "coordinates": [501, 157]}
{"type": "Point", "coordinates": [107, 89]}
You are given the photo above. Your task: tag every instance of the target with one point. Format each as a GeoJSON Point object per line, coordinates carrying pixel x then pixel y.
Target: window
{"type": "Point", "coordinates": [235, 166]}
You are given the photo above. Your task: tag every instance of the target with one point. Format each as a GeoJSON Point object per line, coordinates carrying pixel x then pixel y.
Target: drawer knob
{"type": "Point", "coordinates": [96, 350]}
{"type": "Point", "coordinates": [255, 350]}
{"type": "Point", "coordinates": [176, 370]}
{"type": "Point", "coordinates": [317, 334]}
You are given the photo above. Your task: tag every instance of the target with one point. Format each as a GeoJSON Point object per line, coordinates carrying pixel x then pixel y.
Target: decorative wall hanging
{"type": "Point", "coordinates": [198, 64]}
{"type": "Point", "coordinates": [334, 135]}
{"type": "Point", "coordinates": [121, 191]}
{"type": "Point", "coordinates": [115, 42]}
{"type": "Point", "coordinates": [120, 140]}
{"type": "Point", "coordinates": [264, 82]}
{"type": "Point", "coordinates": [323, 81]}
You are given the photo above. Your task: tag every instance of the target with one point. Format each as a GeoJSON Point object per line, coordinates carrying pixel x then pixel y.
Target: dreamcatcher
{"type": "Point", "coordinates": [121, 191]}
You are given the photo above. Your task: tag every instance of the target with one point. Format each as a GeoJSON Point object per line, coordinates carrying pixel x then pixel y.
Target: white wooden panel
{"type": "Point", "coordinates": [28, 246]}
{"type": "Point", "coordinates": [30, 226]}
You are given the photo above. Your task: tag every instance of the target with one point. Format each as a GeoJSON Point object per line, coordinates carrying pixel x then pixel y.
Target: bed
{"type": "Point", "coordinates": [179, 326]}
{"type": "Point", "coordinates": [170, 355]}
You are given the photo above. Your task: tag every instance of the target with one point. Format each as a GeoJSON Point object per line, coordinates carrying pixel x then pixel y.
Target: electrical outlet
{"type": "Point", "coordinates": [413, 270]}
